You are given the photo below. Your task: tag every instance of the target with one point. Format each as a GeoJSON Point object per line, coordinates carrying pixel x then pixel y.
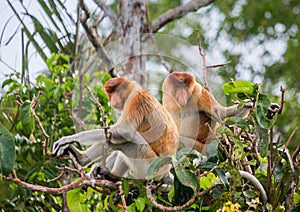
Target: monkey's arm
{"type": "Point", "coordinates": [84, 138]}
{"type": "Point", "coordinates": [119, 134]}
{"type": "Point", "coordinates": [211, 107]}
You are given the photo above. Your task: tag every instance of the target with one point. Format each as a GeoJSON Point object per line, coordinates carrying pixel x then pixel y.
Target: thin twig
{"type": "Point", "coordinates": [284, 148]}
{"type": "Point", "coordinates": [123, 197]}
{"type": "Point", "coordinates": [94, 38]}
{"type": "Point", "coordinates": [167, 67]}
{"type": "Point", "coordinates": [103, 117]}
{"type": "Point", "coordinates": [78, 119]}
{"type": "Point", "coordinates": [203, 55]}
{"type": "Point", "coordinates": [270, 162]}
{"type": "Point", "coordinates": [37, 119]}
{"type": "Point", "coordinates": [59, 175]}
{"type": "Point", "coordinates": [76, 163]}
{"type": "Point", "coordinates": [19, 101]}
{"type": "Point", "coordinates": [296, 153]}
{"type": "Point", "coordinates": [218, 65]}
{"type": "Point", "coordinates": [105, 127]}
{"type": "Point", "coordinates": [282, 99]}
{"type": "Point", "coordinates": [209, 171]}
{"type": "Point", "coordinates": [107, 11]}
{"type": "Point", "coordinates": [63, 168]}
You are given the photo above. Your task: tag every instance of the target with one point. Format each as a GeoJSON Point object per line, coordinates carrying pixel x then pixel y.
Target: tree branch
{"type": "Point", "coordinates": [82, 181]}
{"type": "Point", "coordinates": [107, 11]}
{"type": "Point", "coordinates": [177, 12]}
{"type": "Point", "coordinates": [105, 127]}
{"type": "Point", "coordinates": [203, 55]}
{"type": "Point", "coordinates": [94, 38]}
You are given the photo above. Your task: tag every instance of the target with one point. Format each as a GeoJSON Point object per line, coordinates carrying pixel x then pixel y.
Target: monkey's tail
{"type": "Point", "coordinates": [256, 183]}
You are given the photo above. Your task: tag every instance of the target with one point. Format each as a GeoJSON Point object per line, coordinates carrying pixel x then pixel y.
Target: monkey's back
{"type": "Point", "coordinates": [154, 123]}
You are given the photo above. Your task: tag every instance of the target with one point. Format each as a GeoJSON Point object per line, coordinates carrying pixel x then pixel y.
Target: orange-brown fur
{"type": "Point", "coordinates": [199, 116]}
{"type": "Point", "coordinates": [138, 106]}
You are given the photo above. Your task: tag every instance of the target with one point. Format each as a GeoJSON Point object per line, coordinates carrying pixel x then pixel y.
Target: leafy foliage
{"type": "Point", "coordinates": [193, 173]}
{"type": "Point", "coordinates": [254, 146]}
{"type": "Point", "coordinates": [7, 152]}
{"type": "Point", "coordinates": [21, 148]}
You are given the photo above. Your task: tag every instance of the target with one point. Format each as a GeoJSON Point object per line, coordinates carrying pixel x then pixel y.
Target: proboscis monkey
{"type": "Point", "coordinates": [194, 109]}
{"type": "Point", "coordinates": [144, 131]}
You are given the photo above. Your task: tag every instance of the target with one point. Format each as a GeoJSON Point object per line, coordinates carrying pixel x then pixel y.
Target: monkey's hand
{"type": "Point", "coordinates": [60, 148]}
{"type": "Point", "coordinates": [89, 137]}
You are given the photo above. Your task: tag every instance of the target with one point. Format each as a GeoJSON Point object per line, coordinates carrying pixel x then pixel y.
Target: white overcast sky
{"type": "Point", "coordinates": [11, 54]}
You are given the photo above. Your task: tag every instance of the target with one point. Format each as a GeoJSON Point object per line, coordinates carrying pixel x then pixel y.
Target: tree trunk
{"type": "Point", "coordinates": [132, 47]}
{"type": "Point", "coordinates": [131, 24]}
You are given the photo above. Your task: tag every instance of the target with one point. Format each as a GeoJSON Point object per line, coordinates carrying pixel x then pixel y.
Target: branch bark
{"type": "Point", "coordinates": [132, 46]}
{"type": "Point", "coordinates": [95, 39]}
{"type": "Point", "coordinates": [84, 180]}
{"type": "Point", "coordinates": [176, 13]}
{"type": "Point", "coordinates": [107, 11]}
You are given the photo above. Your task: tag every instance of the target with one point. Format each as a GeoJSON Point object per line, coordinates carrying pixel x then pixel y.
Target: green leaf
{"type": "Point", "coordinates": [212, 151]}
{"type": "Point", "coordinates": [7, 151]}
{"type": "Point", "coordinates": [153, 170]}
{"type": "Point", "coordinates": [238, 121]}
{"type": "Point", "coordinates": [58, 15]}
{"type": "Point", "coordinates": [125, 187]}
{"type": "Point", "coordinates": [238, 87]}
{"type": "Point", "coordinates": [263, 140]}
{"type": "Point", "coordinates": [207, 165]}
{"type": "Point", "coordinates": [191, 153]}
{"type": "Point", "coordinates": [27, 32]}
{"type": "Point", "coordinates": [182, 193]}
{"type": "Point", "coordinates": [234, 173]}
{"type": "Point", "coordinates": [296, 209]}
{"type": "Point", "coordinates": [73, 199]}
{"type": "Point", "coordinates": [105, 78]}
{"type": "Point", "coordinates": [223, 178]}
{"type": "Point", "coordinates": [44, 34]}
{"type": "Point", "coordinates": [131, 208]}
{"type": "Point", "coordinates": [184, 174]}
{"type": "Point", "coordinates": [296, 198]}
{"type": "Point", "coordinates": [238, 151]}
{"type": "Point", "coordinates": [27, 119]}
{"type": "Point", "coordinates": [47, 10]}
{"type": "Point", "coordinates": [171, 194]}
{"type": "Point", "coordinates": [225, 130]}
{"type": "Point", "coordinates": [140, 203]}
{"type": "Point", "coordinates": [7, 82]}
{"type": "Point", "coordinates": [262, 105]}
{"type": "Point", "coordinates": [58, 92]}
{"type": "Point", "coordinates": [205, 183]}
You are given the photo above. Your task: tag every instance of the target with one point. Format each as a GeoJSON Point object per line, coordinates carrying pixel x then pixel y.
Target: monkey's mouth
{"type": "Point", "coordinates": [118, 107]}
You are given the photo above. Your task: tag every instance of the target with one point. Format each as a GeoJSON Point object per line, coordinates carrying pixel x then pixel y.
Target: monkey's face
{"type": "Point", "coordinates": [117, 92]}
{"type": "Point", "coordinates": [183, 86]}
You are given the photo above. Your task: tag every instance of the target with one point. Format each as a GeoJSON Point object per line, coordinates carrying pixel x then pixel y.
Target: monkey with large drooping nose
{"type": "Point", "coordinates": [195, 110]}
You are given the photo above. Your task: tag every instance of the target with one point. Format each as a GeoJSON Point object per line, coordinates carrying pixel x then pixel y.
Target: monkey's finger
{"type": "Point", "coordinates": [60, 146]}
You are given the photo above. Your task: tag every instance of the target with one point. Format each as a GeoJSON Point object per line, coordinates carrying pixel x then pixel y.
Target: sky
{"type": "Point", "coordinates": [10, 49]}
{"type": "Point", "coordinates": [11, 54]}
